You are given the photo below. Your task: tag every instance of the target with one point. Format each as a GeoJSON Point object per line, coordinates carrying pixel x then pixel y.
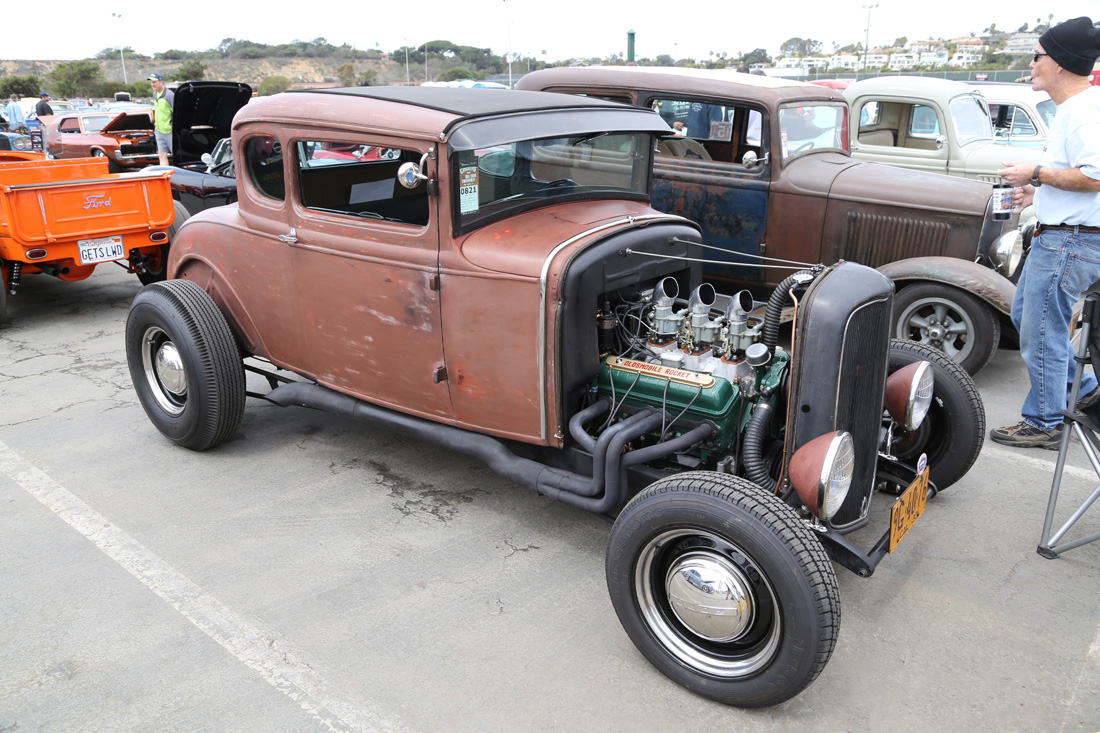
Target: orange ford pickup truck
{"type": "Point", "coordinates": [64, 217]}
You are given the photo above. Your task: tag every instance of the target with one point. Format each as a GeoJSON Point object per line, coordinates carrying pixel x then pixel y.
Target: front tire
{"type": "Point", "coordinates": [723, 588]}
{"type": "Point", "coordinates": [185, 364]}
{"type": "Point", "coordinates": [953, 432]}
{"type": "Point", "coordinates": [949, 319]}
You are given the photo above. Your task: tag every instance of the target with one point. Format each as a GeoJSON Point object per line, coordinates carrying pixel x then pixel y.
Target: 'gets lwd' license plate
{"type": "Point", "coordinates": [103, 249]}
{"type": "Point", "coordinates": [909, 506]}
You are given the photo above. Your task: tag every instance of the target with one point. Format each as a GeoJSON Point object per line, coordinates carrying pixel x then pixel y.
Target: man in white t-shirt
{"type": "Point", "coordinates": [1065, 255]}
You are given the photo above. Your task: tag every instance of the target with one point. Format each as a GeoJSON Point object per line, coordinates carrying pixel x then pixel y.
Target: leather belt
{"type": "Point", "coordinates": [1039, 228]}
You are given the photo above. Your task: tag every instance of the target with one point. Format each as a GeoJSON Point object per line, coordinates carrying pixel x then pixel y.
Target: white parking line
{"type": "Point", "coordinates": [261, 649]}
{"type": "Point", "coordinates": [1032, 460]}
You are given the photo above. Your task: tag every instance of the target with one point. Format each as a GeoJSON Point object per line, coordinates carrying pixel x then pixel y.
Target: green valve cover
{"type": "Point", "coordinates": [651, 385]}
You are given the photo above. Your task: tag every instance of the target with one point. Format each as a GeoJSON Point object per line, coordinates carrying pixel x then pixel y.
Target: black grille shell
{"type": "Point", "coordinates": [838, 375]}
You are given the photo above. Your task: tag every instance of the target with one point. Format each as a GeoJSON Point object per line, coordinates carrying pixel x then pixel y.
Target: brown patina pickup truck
{"type": "Point", "coordinates": [763, 165]}
{"type": "Point", "coordinates": [64, 217]}
{"type": "Point", "coordinates": [498, 284]}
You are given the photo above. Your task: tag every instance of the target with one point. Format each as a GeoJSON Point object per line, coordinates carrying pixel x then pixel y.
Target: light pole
{"type": "Point", "coordinates": [406, 62]}
{"type": "Point", "coordinates": [121, 53]}
{"type": "Point", "coordinates": [867, 37]}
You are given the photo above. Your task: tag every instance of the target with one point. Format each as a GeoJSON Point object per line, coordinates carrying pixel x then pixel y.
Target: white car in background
{"type": "Point", "coordinates": [1020, 115]}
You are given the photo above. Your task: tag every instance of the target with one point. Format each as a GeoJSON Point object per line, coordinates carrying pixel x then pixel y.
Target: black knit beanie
{"type": "Point", "coordinates": [1074, 45]}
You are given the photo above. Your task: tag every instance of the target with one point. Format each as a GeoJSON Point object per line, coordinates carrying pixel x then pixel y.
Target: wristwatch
{"type": "Point", "coordinates": [1035, 177]}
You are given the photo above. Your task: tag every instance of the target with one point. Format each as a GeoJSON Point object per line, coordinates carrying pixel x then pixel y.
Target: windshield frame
{"type": "Point", "coordinates": [958, 103]}
{"type": "Point", "coordinates": [839, 129]}
{"type": "Point", "coordinates": [525, 153]}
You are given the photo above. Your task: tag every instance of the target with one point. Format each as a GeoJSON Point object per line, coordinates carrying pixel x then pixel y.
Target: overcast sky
{"type": "Point", "coordinates": [550, 29]}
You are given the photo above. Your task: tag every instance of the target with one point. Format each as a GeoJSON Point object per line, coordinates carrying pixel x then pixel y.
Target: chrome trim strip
{"type": "Point", "coordinates": [629, 221]}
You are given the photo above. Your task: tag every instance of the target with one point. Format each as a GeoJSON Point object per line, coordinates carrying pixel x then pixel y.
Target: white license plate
{"type": "Point", "coordinates": [103, 249]}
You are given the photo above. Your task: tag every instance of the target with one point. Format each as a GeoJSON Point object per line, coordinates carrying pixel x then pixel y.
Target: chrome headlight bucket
{"type": "Point", "coordinates": [1007, 251]}
{"type": "Point", "coordinates": [821, 472]}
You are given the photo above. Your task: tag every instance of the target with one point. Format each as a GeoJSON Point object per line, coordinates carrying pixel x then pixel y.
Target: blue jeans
{"type": "Point", "coordinates": [1059, 268]}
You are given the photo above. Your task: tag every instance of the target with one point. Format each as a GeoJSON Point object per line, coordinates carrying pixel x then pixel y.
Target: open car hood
{"type": "Point", "coordinates": [128, 121]}
{"type": "Point", "coordinates": [203, 114]}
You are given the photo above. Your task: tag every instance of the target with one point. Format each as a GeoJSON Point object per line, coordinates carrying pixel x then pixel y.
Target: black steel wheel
{"type": "Point", "coordinates": [156, 267]}
{"type": "Point", "coordinates": [723, 588]}
{"type": "Point", "coordinates": [185, 364]}
{"type": "Point", "coordinates": [949, 319]}
{"type": "Point", "coordinates": [953, 432]}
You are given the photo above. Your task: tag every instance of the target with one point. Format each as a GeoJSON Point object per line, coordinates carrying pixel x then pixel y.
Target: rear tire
{"type": "Point", "coordinates": [185, 364]}
{"type": "Point", "coordinates": [953, 432]}
{"type": "Point", "coordinates": [723, 588]}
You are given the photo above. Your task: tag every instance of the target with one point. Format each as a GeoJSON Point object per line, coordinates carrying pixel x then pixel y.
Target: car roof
{"type": "Point", "coordinates": [909, 85]}
{"type": "Point", "coordinates": [466, 118]}
{"type": "Point", "coordinates": [1009, 90]}
{"type": "Point", "coordinates": [710, 82]}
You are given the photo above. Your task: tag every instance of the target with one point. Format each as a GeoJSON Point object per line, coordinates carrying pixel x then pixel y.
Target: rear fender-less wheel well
{"type": "Point", "coordinates": [207, 277]}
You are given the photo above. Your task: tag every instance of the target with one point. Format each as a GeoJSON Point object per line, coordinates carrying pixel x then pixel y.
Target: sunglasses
{"type": "Point", "coordinates": [1037, 56]}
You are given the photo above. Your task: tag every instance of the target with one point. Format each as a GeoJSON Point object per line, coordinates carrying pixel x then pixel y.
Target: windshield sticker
{"type": "Point", "coordinates": [467, 189]}
{"type": "Point", "coordinates": [721, 131]}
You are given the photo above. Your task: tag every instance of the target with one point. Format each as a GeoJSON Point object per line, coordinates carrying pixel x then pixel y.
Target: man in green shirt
{"type": "Point", "coordinates": [163, 101]}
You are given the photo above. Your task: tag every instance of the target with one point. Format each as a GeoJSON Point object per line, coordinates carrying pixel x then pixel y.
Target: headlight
{"type": "Point", "coordinates": [821, 472]}
{"type": "Point", "coordinates": [1007, 251]}
{"type": "Point", "coordinates": [909, 394]}
{"type": "Point", "coordinates": [22, 143]}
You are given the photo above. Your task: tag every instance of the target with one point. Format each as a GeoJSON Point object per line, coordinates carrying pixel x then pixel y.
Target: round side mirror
{"type": "Point", "coordinates": [750, 160]}
{"type": "Point", "coordinates": [409, 175]}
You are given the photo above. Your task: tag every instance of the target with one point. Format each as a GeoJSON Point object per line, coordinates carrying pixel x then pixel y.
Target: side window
{"type": "Point", "coordinates": [704, 130]}
{"type": "Point", "coordinates": [354, 179]}
{"type": "Point", "coordinates": [263, 156]}
{"type": "Point", "coordinates": [1021, 123]}
{"type": "Point", "coordinates": [69, 125]}
{"type": "Point", "coordinates": [924, 122]}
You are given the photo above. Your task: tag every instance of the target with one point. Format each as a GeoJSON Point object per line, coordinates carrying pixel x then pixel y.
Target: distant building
{"type": "Point", "coordinates": [967, 58]}
{"type": "Point", "coordinates": [876, 60]}
{"type": "Point", "coordinates": [1020, 44]}
{"type": "Point", "coordinates": [903, 61]}
{"type": "Point", "coordinates": [846, 61]}
{"type": "Point", "coordinates": [934, 57]}
{"type": "Point", "coordinates": [919, 47]}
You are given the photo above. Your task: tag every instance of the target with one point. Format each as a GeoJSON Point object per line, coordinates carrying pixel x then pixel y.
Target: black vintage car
{"type": "Point", "coordinates": [202, 115]}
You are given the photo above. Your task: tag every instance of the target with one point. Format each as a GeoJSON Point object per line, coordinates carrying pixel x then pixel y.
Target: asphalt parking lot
{"type": "Point", "coordinates": [318, 574]}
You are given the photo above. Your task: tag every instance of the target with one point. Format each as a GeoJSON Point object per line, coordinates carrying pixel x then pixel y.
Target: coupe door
{"type": "Point", "coordinates": [366, 259]}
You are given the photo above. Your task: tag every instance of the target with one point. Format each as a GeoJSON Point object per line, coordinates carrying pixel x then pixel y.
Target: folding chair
{"type": "Point", "coordinates": [1085, 425]}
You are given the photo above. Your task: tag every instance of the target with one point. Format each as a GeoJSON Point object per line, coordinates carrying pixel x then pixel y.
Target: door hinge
{"type": "Point", "coordinates": [433, 283]}
{"type": "Point", "coordinates": [440, 374]}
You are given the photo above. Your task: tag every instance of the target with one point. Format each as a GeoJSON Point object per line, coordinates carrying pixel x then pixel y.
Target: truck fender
{"type": "Point", "coordinates": [979, 280]}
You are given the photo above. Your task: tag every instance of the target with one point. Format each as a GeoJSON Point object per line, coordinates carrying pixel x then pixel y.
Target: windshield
{"type": "Point", "coordinates": [96, 123]}
{"type": "Point", "coordinates": [970, 115]}
{"type": "Point", "coordinates": [492, 183]}
{"type": "Point", "coordinates": [813, 127]}
{"type": "Point", "coordinates": [223, 153]}
{"type": "Point", "coordinates": [1047, 108]}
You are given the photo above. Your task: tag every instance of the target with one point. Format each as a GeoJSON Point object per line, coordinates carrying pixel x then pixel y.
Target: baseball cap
{"type": "Point", "coordinates": [154, 77]}
{"type": "Point", "coordinates": [44, 94]}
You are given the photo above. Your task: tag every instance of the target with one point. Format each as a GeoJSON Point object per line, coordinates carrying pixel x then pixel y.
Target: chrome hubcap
{"type": "Point", "coordinates": [707, 603]}
{"type": "Point", "coordinates": [164, 371]}
{"type": "Point", "coordinates": [710, 596]}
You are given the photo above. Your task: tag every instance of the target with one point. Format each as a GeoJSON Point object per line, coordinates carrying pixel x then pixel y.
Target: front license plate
{"type": "Point", "coordinates": [103, 249]}
{"type": "Point", "coordinates": [908, 508]}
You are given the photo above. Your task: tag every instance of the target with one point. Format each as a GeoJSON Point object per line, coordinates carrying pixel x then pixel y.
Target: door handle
{"type": "Point", "coordinates": [289, 238]}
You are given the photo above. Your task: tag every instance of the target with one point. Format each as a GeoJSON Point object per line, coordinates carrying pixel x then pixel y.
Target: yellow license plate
{"type": "Point", "coordinates": [908, 508]}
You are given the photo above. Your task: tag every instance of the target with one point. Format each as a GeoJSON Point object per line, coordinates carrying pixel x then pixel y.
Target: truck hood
{"type": "Point", "coordinates": [520, 245]}
{"type": "Point", "coordinates": [887, 185]}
